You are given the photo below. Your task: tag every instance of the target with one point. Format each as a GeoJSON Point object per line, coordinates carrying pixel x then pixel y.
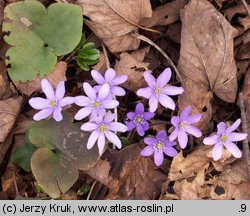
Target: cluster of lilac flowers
{"type": "Point", "coordinates": [100, 100]}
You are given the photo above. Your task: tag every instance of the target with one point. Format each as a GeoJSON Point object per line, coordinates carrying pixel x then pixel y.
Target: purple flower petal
{"type": "Point", "coordinates": [149, 140]}
{"type": "Point", "coordinates": [148, 150]}
{"type": "Point", "coordinates": [48, 89]}
{"type": "Point", "coordinates": [90, 92]}
{"type": "Point", "coordinates": [113, 139]}
{"type": "Point", "coordinates": [43, 114]}
{"type": "Point", "coordinates": [92, 139]}
{"type": "Point", "coordinates": [109, 118]}
{"type": "Point", "coordinates": [185, 113]}
{"type": "Point", "coordinates": [158, 158]}
{"type": "Point", "coordinates": [161, 135]}
{"type": "Point", "coordinates": [66, 101]}
{"type": "Point", "coordinates": [140, 130]}
{"type": "Point", "coordinates": [104, 91]}
{"type": "Point", "coordinates": [193, 130]}
{"type": "Point", "coordinates": [82, 101]}
{"type": "Point", "coordinates": [174, 134]}
{"type": "Point", "coordinates": [170, 151]}
{"type": "Point", "coordinates": [168, 143]}
{"type": "Point", "coordinates": [89, 126]}
{"type": "Point", "coordinates": [149, 78]}
{"type": "Point", "coordinates": [221, 127]}
{"type": "Point", "coordinates": [167, 102]}
{"type": "Point", "coordinates": [101, 143]}
{"type": "Point", "coordinates": [175, 120]}
{"type": "Point", "coordinates": [217, 151]}
{"type": "Point", "coordinates": [231, 147]}
{"type": "Point", "coordinates": [131, 115]}
{"type": "Point", "coordinates": [194, 118]}
{"type": "Point", "coordinates": [97, 77]}
{"type": "Point", "coordinates": [119, 79]}
{"type": "Point", "coordinates": [110, 74]}
{"type": "Point", "coordinates": [182, 139]}
{"type": "Point", "coordinates": [172, 90]}
{"type": "Point", "coordinates": [164, 78]}
{"type": "Point", "coordinates": [234, 136]}
{"type": "Point", "coordinates": [60, 90]}
{"type": "Point", "coordinates": [211, 140]}
{"type": "Point", "coordinates": [57, 114]}
{"type": "Point", "coordinates": [234, 126]}
{"type": "Point", "coordinates": [139, 109]}
{"type": "Point", "coordinates": [131, 125]}
{"type": "Point", "coordinates": [118, 91]}
{"type": "Point", "coordinates": [39, 103]}
{"type": "Point", "coordinates": [145, 92]}
{"type": "Point", "coordinates": [153, 103]}
{"type": "Point", "coordinates": [148, 115]}
{"type": "Point", "coordinates": [110, 104]}
{"type": "Point", "coordinates": [145, 126]}
{"type": "Point", "coordinates": [117, 126]}
{"type": "Point", "coordinates": [82, 113]}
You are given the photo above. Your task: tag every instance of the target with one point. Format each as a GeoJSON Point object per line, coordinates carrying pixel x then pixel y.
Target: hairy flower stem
{"type": "Point", "coordinates": [246, 152]}
{"type": "Point", "coordinates": [114, 97]}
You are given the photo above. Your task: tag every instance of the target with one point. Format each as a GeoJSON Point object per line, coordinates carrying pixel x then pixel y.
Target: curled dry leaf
{"type": "Point", "coordinates": [58, 74]}
{"type": "Point", "coordinates": [5, 90]}
{"type": "Point", "coordinates": [246, 96]}
{"type": "Point", "coordinates": [206, 61]}
{"type": "Point", "coordinates": [133, 66]}
{"type": "Point", "coordinates": [115, 21]}
{"type": "Point", "coordinates": [9, 110]}
{"type": "Point", "coordinates": [165, 14]}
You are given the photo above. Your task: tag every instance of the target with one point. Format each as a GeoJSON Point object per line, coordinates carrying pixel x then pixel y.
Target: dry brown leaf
{"type": "Point", "coordinates": [246, 96]}
{"type": "Point", "coordinates": [133, 66]}
{"type": "Point", "coordinates": [245, 22]}
{"type": "Point", "coordinates": [133, 176]}
{"type": "Point", "coordinates": [165, 14]}
{"type": "Point", "coordinates": [199, 159]}
{"type": "Point", "coordinates": [206, 61]}
{"type": "Point", "coordinates": [244, 52]}
{"type": "Point", "coordinates": [58, 74]}
{"type": "Point", "coordinates": [220, 2]}
{"type": "Point", "coordinates": [5, 91]}
{"type": "Point", "coordinates": [235, 10]}
{"type": "Point", "coordinates": [101, 65]}
{"type": "Point", "coordinates": [115, 21]}
{"type": "Point", "coordinates": [9, 110]}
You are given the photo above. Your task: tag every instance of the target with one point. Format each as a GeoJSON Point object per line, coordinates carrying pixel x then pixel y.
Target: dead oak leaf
{"type": "Point", "coordinates": [206, 61]}
{"type": "Point", "coordinates": [133, 66]}
{"type": "Point", "coordinates": [57, 75]}
{"type": "Point", "coordinates": [165, 14]}
{"type": "Point", "coordinates": [115, 21]}
{"type": "Point", "coordinates": [9, 110]}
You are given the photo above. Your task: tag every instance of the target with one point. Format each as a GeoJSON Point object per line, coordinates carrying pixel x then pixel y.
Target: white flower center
{"type": "Point", "coordinates": [223, 138]}
{"type": "Point", "coordinates": [159, 146]}
{"type": "Point", "coordinates": [183, 124]}
{"type": "Point", "coordinates": [157, 90]}
{"type": "Point", "coordinates": [139, 119]}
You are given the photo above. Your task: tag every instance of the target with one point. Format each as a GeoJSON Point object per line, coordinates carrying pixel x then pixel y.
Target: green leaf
{"type": "Point", "coordinates": [22, 156]}
{"type": "Point", "coordinates": [53, 173]}
{"type": "Point", "coordinates": [38, 36]}
{"type": "Point", "coordinates": [67, 144]}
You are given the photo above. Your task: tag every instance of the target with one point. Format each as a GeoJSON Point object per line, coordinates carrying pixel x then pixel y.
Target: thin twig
{"type": "Point", "coordinates": [246, 152]}
{"type": "Point", "coordinates": [246, 6]}
{"type": "Point", "coordinates": [91, 189]}
{"type": "Point", "coordinates": [145, 39]}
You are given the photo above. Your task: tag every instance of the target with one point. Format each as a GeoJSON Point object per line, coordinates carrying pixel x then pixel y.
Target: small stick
{"type": "Point", "coordinates": [246, 7]}
{"type": "Point", "coordinates": [145, 39]}
{"type": "Point", "coordinates": [91, 189]}
{"type": "Point", "coordinates": [108, 66]}
{"type": "Point", "coordinates": [246, 152]}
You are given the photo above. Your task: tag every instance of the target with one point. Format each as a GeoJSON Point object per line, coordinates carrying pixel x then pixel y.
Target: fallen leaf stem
{"type": "Point", "coordinates": [91, 189]}
{"type": "Point", "coordinates": [246, 152]}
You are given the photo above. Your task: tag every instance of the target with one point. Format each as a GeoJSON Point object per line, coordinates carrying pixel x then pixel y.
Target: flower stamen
{"type": "Point", "coordinates": [103, 127]}
{"type": "Point", "coordinates": [53, 103]}
{"type": "Point", "coordinates": [183, 124]}
{"type": "Point", "coordinates": [158, 146]}
{"type": "Point", "coordinates": [223, 138]}
{"type": "Point", "coordinates": [96, 104]}
{"type": "Point", "coordinates": [138, 119]}
{"type": "Point", "coordinates": [157, 90]}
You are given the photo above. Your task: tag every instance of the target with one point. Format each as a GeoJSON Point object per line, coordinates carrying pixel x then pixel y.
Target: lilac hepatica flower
{"type": "Point", "coordinates": [183, 126]}
{"type": "Point", "coordinates": [101, 128]}
{"type": "Point", "coordinates": [112, 80]}
{"type": "Point", "coordinates": [225, 137]}
{"type": "Point", "coordinates": [158, 90]}
{"type": "Point", "coordinates": [138, 119]}
{"type": "Point", "coordinates": [94, 103]}
{"type": "Point", "coordinates": [53, 103]}
{"type": "Point", "coordinates": [159, 145]}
